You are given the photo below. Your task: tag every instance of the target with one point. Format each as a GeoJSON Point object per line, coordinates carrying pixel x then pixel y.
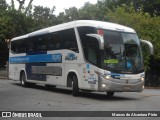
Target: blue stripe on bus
{"type": "Point", "coordinates": [55, 58]}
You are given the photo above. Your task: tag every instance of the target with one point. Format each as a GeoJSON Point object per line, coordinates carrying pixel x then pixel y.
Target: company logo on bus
{"type": "Point", "coordinates": [71, 56]}
{"type": "Point", "coordinates": [56, 57]}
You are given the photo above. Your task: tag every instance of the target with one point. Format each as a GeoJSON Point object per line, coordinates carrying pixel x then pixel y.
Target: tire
{"type": "Point", "coordinates": [75, 89]}
{"type": "Point", "coordinates": [23, 80]}
{"type": "Point", "coordinates": [110, 94]}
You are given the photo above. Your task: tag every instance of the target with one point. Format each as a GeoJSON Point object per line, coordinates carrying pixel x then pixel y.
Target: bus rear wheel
{"type": "Point", "coordinates": [75, 89]}
{"type": "Point", "coordinates": [23, 80]}
{"type": "Point", "coordinates": [110, 94]}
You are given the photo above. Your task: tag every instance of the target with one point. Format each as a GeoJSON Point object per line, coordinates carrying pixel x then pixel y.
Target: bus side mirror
{"type": "Point", "coordinates": [99, 38]}
{"type": "Point", "coordinates": [150, 45]}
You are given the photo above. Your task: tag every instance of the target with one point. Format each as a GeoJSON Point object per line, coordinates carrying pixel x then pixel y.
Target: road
{"type": "Point", "coordinates": [13, 97]}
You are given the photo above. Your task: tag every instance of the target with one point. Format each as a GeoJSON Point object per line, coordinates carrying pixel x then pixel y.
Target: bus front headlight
{"type": "Point", "coordinates": [107, 77]}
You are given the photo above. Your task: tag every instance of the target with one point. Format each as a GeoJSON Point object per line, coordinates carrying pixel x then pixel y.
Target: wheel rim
{"type": "Point", "coordinates": [23, 80]}
{"type": "Point", "coordinates": [72, 85]}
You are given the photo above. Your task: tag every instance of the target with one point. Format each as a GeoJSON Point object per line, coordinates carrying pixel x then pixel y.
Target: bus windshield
{"type": "Point", "coordinates": [122, 52]}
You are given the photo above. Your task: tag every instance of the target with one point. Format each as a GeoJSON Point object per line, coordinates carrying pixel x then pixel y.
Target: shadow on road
{"type": "Point", "coordinates": [89, 95]}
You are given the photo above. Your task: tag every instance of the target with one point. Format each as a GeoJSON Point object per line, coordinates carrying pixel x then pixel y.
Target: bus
{"type": "Point", "coordinates": [84, 55]}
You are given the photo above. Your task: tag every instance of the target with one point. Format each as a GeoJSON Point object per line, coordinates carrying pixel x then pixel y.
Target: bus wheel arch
{"type": "Point", "coordinates": [110, 94]}
{"type": "Point", "coordinates": [72, 81]}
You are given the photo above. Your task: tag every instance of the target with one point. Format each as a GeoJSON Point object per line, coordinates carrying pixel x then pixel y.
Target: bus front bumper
{"type": "Point", "coordinates": [120, 85]}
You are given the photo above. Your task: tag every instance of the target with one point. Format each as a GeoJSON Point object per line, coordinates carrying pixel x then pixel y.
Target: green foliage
{"type": "Point", "coordinates": [69, 15]}
{"type": "Point", "coordinates": [150, 6]}
{"type": "Point", "coordinates": [3, 5]}
{"type": "Point", "coordinates": [43, 17]}
{"type": "Point", "coordinates": [89, 11]}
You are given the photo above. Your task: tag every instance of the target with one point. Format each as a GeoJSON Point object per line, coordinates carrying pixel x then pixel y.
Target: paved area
{"type": "Point", "coordinates": [2, 73]}
{"type": "Point", "coordinates": [13, 97]}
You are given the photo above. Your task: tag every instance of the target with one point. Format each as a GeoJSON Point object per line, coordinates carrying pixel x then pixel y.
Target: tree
{"type": "Point", "coordinates": [90, 11]}
{"type": "Point", "coordinates": [72, 14]}
{"type": "Point", "coordinates": [69, 15]}
{"type": "Point", "coordinates": [3, 5]}
{"type": "Point", "coordinates": [44, 17]}
{"type": "Point", "coordinates": [3, 8]}
{"type": "Point", "coordinates": [12, 5]}
{"type": "Point", "coordinates": [150, 6]}
{"type": "Point", "coordinates": [13, 23]}
{"type": "Point", "coordinates": [21, 5]}
{"type": "Point", "coordinates": [28, 7]}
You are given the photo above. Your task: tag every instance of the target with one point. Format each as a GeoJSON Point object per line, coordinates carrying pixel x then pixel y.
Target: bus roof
{"type": "Point", "coordinates": [79, 23]}
{"type": "Point", "coordinates": [104, 25]}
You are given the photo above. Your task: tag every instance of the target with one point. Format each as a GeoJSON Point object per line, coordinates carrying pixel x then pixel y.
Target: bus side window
{"type": "Point", "coordinates": [30, 47]}
{"type": "Point", "coordinates": [13, 47]}
{"type": "Point", "coordinates": [89, 44]}
{"type": "Point", "coordinates": [92, 56]}
{"type": "Point", "coordinates": [92, 50]}
{"type": "Point", "coordinates": [40, 43]}
{"type": "Point", "coordinates": [18, 46]}
{"type": "Point", "coordinates": [68, 40]}
{"type": "Point", "coordinates": [53, 41]}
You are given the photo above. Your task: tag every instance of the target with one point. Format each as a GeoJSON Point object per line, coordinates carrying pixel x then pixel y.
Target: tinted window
{"type": "Point", "coordinates": [65, 39]}
{"type": "Point", "coordinates": [68, 40]}
{"type": "Point", "coordinates": [18, 46]}
{"type": "Point", "coordinates": [89, 44]}
{"type": "Point", "coordinates": [54, 42]}
{"type": "Point", "coordinates": [39, 43]}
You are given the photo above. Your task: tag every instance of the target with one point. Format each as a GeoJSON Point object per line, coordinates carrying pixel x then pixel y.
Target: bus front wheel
{"type": "Point", "coordinates": [75, 89]}
{"type": "Point", "coordinates": [110, 94]}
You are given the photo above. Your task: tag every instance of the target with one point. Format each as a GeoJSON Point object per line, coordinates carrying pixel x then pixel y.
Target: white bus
{"type": "Point", "coordinates": [84, 55]}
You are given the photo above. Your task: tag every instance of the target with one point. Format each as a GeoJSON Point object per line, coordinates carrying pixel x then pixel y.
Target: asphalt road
{"type": "Point", "coordinates": [13, 97]}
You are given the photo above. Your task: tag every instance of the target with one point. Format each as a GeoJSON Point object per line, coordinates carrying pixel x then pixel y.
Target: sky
{"type": "Point", "coordinates": [60, 4]}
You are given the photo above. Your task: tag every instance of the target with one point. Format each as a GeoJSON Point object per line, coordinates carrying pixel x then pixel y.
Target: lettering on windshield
{"type": "Point", "coordinates": [111, 61]}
